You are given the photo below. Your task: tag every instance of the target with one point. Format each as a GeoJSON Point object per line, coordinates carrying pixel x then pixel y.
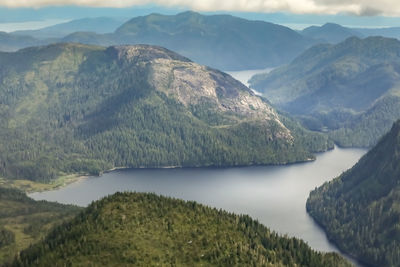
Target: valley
{"type": "Point", "coordinates": [349, 90]}
{"type": "Point", "coordinates": [274, 195]}
{"type": "Point", "coordinates": [122, 143]}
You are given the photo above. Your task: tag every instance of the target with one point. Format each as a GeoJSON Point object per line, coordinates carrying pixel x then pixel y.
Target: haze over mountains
{"type": "Point", "coordinates": [350, 89]}
{"type": "Point", "coordinates": [220, 41]}
{"type": "Point", "coordinates": [98, 25]}
{"type": "Point", "coordinates": [335, 33]}
{"type": "Point", "coordinates": [330, 33]}
{"type": "Point", "coordinates": [10, 42]}
{"type": "Point", "coordinates": [136, 95]}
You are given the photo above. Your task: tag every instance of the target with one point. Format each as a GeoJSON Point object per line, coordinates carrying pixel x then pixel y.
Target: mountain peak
{"type": "Point", "coordinates": [143, 52]}
{"type": "Point", "coordinates": [332, 25]}
{"type": "Point", "coordinates": [140, 105]}
{"type": "Point", "coordinates": [330, 32]}
{"type": "Point", "coordinates": [188, 13]}
{"type": "Point", "coordinates": [221, 41]}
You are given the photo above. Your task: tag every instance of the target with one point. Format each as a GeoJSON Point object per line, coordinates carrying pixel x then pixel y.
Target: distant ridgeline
{"type": "Point", "coordinates": [335, 33]}
{"type": "Point", "coordinates": [135, 229]}
{"type": "Point", "coordinates": [360, 210]}
{"type": "Point", "coordinates": [351, 90]}
{"type": "Point", "coordinates": [69, 108]}
{"type": "Point", "coordinates": [220, 41]}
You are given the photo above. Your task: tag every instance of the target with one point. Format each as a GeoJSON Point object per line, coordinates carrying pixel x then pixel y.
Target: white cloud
{"type": "Point", "coordinates": [359, 7]}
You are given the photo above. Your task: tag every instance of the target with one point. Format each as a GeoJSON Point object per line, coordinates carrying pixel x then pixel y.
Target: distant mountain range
{"type": "Point", "coordinates": [330, 32]}
{"type": "Point", "coordinates": [335, 33]}
{"type": "Point", "coordinates": [71, 108]}
{"type": "Point", "coordinates": [97, 25]}
{"type": "Point", "coordinates": [11, 42]}
{"type": "Point", "coordinates": [220, 41]}
{"type": "Point", "coordinates": [360, 210]}
{"type": "Point", "coordinates": [351, 89]}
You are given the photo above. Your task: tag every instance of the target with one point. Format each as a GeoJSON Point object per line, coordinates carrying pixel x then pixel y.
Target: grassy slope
{"type": "Point", "coordinates": [27, 221]}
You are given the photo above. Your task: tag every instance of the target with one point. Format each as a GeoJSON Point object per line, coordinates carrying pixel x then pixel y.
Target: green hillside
{"type": "Point", "coordinates": [351, 89]}
{"type": "Point", "coordinates": [24, 221]}
{"type": "Point", "coordinates": [69, 108]}
{"type": "Point", "coordinates": [136, 229]}
{"type": "Point", "coordinates": [360, 210]}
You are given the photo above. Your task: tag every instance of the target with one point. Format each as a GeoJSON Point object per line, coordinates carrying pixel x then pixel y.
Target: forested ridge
{"type": "Point", "coordinates": [24, 221]}
{"type": "Point", "coordinates": [69, 108]}
{"type": "Point", "coordinates": [137, 229]}
{"type": "Point", "coordinates": [360, 210]}
{"type": "Point", "coordinates": [350, 90]}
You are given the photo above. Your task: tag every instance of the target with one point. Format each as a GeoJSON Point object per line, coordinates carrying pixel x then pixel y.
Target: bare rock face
{"type": "Point", "coordinates": [80, 108]}
{"type": "Point", "coordinates": [193, 84]}
{"type": "Point", "coordinates": [196, 85]}
{"type": "Point", "coordinates": [142, 53]}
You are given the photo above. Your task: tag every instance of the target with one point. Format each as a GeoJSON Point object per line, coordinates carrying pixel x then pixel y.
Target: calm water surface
{"type": "Point", "coordinates": [275, 195]}
{"type": "Point", "coordinates": [244, 76]}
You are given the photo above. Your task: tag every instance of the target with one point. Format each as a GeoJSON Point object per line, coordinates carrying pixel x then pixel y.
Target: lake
{"type": "Point", "coordinates": [244, 76]}
{"type": "Point", "coordinates": [275, 195]}
{"type": "Point", "coordinates": [29, 25]}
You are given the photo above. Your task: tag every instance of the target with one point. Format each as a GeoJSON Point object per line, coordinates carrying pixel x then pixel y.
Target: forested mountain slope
{"type": "Point", "coordinates": [135, 229]}
{"type": "Point", "coordinates": [24, 221]}
{"type": "Point", "coordinates": [360, 210]}
{"type": "Point", "coordinates": [351, 89]}
{"type": "Point", "coordinates": [69, 108]}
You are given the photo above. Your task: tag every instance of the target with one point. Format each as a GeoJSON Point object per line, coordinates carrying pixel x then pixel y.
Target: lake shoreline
{"type": "Point", "coordinates": [31, 187]}
{"type": "Point", "coordinates": [274, 195]}
{"type": "Point", "coordinates": [352, 258]}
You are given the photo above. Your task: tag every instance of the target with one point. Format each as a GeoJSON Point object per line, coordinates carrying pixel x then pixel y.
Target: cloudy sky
{"type": "Point", "coordinates": [356, 7]}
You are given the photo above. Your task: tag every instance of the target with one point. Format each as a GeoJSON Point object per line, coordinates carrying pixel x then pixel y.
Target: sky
{"type": "Point", "coordinates": [357, 7]}
{"type": "Point", "coordinates": [293, 13]}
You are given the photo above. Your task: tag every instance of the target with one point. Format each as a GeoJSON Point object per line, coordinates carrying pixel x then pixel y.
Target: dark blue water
{"type": "Point", "coordinates": [275, 195]}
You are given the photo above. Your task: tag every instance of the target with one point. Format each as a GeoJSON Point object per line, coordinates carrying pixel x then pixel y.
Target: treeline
{"type": "Point", "coordinates": [24, 221]}
{"type": "Point", "coordinates": [360, 209]}
{"type": "Point", "coordinates": [366, 129]}
{"type": "Point", "coordinates": [135, 229]}
{"type": "Point", "coordinates": [77, 109]}
{"type": "Point", "coordinates": [6, 237]}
